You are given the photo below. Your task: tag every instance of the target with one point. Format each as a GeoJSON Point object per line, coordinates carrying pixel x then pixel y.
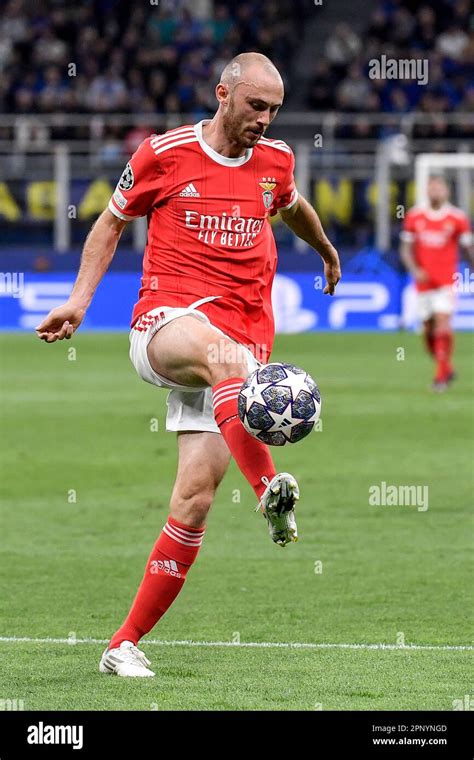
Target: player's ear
{"type": "Point", "coordinates": [222, 93]}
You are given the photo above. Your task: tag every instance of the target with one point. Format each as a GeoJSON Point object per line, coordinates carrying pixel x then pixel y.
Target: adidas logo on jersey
{"type": "Point", "coordinates": [190, 192]}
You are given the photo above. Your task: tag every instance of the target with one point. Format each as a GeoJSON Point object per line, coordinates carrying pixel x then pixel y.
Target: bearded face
{"type": "Point", "coordinates": [237, 123]}
{"type": "Point", "coordinates": [438, 191]}
{"type": "Point", "coordinates": [248, 113]}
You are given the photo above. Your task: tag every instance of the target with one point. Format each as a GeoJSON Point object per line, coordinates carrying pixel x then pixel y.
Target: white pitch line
{"type": "Point", "coordinates": [243, 644]}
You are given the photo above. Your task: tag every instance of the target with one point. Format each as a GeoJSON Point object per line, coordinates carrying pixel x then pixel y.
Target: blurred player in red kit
{"type": "Point", "coordinates": [429, 250]}
{"type": "Point", "coordinates": [207, 190]}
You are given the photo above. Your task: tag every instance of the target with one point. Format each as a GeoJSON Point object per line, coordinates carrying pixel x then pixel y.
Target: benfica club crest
{"type": "Point", "coordinates": [268, 184]}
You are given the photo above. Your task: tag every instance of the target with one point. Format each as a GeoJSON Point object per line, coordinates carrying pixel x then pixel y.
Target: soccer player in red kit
{"type": "Point", "coordinates": [429, 250]}
{"type": "Point", "coordinates": [204, 320]}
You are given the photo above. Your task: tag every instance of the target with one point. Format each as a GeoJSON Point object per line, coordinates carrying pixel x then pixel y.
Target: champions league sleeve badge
{"type": "Point", "coordinates": [127, 179]}
{"type": "Point", "coordinates": [268, 185]}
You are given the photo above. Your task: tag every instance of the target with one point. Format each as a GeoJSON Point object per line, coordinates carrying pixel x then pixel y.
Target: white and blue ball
{"type": "Point", "coordinates": [279, 403]}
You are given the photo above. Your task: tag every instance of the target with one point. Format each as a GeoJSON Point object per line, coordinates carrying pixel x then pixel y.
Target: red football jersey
{"type": "Point", "coordinates": [209, 235]}
{"type": "Point", "coordinates": [435, 235]}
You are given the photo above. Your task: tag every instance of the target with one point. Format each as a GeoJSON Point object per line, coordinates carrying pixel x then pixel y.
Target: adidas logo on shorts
{"type": "Point", "coordinates": [190, 192]}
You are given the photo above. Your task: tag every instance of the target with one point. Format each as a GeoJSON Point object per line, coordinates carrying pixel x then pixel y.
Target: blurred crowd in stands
{"type": "Point", "coordinates": [118, 56]}
{"type": "Point", "coordinates": [440, 31]}
{"type": "Point", "coordinates": [133, 57]}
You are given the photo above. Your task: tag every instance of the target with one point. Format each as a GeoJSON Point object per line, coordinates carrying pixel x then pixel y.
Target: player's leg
{"type": "Point", "coordinates": [428, 335]}
{"type": "Point", "coordinates": [191, 352]}
{"type": "Point", "coordinates": [443, 350]}
{"type": "Point", "coordinates": [202, 461]}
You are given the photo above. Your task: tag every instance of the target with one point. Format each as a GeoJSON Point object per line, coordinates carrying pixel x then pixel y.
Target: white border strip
{"type": "Point", "coordinates": [243, 644]}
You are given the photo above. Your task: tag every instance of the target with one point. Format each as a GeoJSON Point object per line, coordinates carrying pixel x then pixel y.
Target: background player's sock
{"type": "Point", "coordinates": [429, 339]}
{"type": "Point", "coordinates": [252, 456]}
{"type": "Point", "coordinates": [443, 349]}
{"type": "Point", "coordinates": [171, 557]}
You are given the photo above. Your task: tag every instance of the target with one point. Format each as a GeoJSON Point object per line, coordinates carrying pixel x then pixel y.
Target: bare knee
{"type": "Point", "coordinates": [442, 323]}
{"type": "Point", "coordinates": [203, 460]}
{"type": "Point", "coordinates": [191, 508]}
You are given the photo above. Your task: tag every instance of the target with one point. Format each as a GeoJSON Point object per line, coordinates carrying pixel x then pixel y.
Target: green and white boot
{"type": "Point", "coordinates": [278, 507]}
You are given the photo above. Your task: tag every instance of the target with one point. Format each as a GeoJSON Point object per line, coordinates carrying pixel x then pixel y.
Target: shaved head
{"type": "Point", "coordinates": [246, 68]}
{"type": "Point", "coordinates": [250, 92]}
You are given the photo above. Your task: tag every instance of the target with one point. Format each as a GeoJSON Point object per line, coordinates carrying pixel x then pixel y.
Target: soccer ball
{"type": "Point", "coordinates": [279, 404]}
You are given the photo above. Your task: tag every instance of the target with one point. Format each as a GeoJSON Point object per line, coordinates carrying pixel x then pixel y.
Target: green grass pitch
{"type": "Point", "coordinates": [85, 485]}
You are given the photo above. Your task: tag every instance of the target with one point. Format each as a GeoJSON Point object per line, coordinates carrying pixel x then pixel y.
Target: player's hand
{"type": "Point", "coordinates": [332, 273]}
{"type": "Point", "coordinates": [61, 323]}
{"type": "Point", "coordinates": [420, 275]}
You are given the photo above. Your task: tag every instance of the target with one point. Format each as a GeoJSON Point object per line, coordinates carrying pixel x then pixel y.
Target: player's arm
{"type": "Point", "coordinates": [466, 242]}
{"type": "Point", "coordinates": [134, 195]}
{"type": "Point", "coordinates": [98, 252]}
{"type": "Point", "coordinates": [303, 220]}
{"type": "Point", "coordinates": [408, 260]}
{"type": "Point", "coordinates": [468, 251]}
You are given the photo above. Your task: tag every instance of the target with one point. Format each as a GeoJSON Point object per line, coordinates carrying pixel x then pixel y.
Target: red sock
{"type": "Point", "coordinates": [251, 455]}
{"type": "Point", "coordinates": [171, 557]}
{"type": "Point", "coordinates": [429, 342]}
{"type": "Point", "coordinates": [443, 349]}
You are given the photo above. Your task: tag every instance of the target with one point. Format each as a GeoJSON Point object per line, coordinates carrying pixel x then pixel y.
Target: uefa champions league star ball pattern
{"type": "Point", "coordinates": [279, 404]}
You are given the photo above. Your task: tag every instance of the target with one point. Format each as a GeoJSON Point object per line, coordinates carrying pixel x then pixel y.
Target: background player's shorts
{"type": "Point", "coordinates": [438, 301]}
{"type": "Point", "coordinates": [189, 408]}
